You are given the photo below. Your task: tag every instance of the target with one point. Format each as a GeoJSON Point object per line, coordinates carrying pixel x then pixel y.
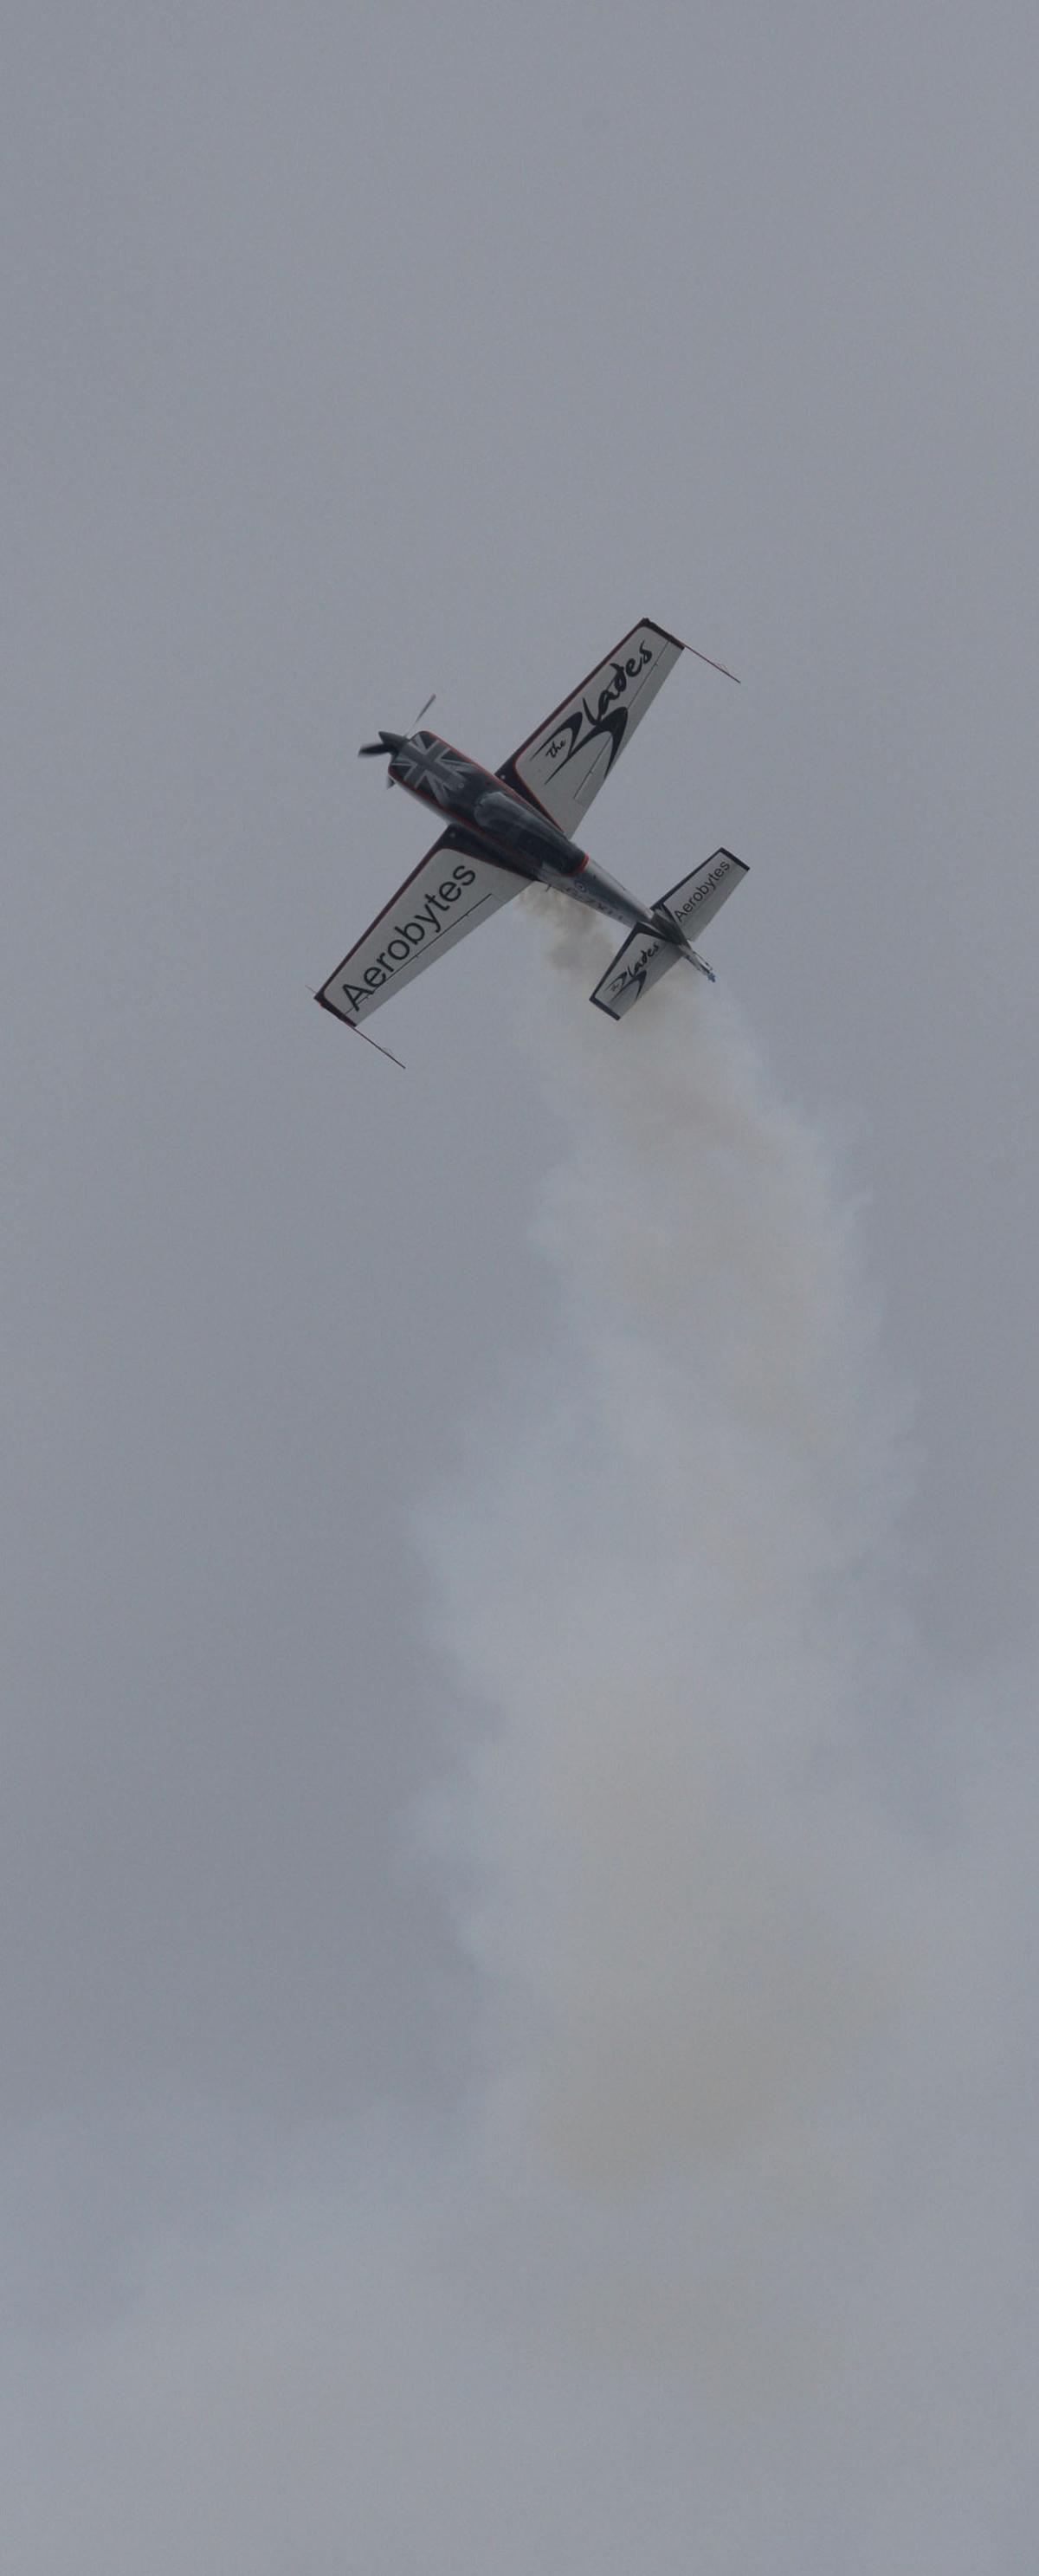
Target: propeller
{"type": "Point", "coordinates": [388, 743]}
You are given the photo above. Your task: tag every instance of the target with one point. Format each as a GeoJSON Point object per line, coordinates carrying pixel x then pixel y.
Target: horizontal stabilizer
{"type": "Point", "coordinates": [695, 901]}
{"type": "Point", "coordinates": [635, 969]}
{"type": "Point", "coordinates": [642, 960]}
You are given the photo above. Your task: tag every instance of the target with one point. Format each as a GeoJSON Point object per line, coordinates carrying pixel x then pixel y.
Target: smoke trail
{"type": "Point", "coordinates": [722, 2266]}
{"type": "Point", "coordinates": [662, 1586]}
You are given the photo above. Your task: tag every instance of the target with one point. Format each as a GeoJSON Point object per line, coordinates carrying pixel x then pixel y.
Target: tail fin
{"type": "Point", "coordinates": [642, 960]}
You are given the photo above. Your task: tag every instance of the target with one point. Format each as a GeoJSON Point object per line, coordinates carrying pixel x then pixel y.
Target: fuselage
{"type": "Point", "coordinates": [518, 834]}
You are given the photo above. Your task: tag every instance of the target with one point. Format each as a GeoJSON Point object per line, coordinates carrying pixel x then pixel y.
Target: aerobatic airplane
{"type": "Point", "coordinates": [508, 829]}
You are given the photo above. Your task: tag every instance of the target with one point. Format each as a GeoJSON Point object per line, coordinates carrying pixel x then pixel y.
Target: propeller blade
{"type": "Point", "coordinates": [413, 728]}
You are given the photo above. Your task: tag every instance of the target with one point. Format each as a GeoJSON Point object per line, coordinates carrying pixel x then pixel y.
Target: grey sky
{"type": "Point", "coordinates": [350, 355]}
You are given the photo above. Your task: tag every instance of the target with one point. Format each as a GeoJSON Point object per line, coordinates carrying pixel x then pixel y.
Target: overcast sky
{"type": "Point", "coordinates": [520, 1796]}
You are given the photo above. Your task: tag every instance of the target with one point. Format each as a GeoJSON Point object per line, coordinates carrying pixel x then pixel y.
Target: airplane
{"type": "Point", "coordinates": [514, 826]}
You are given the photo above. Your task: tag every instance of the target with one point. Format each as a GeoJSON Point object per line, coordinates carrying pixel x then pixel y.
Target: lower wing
{"type": "Point", "coordinates": [451, 891]}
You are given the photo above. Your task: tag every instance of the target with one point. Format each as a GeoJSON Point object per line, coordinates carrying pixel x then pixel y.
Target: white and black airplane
{"type": "Point", "coordinates": [508, 829]}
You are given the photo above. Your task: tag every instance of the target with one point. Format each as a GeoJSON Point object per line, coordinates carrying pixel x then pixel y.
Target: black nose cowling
{"type": "Point", "coordinates": [384, 749]}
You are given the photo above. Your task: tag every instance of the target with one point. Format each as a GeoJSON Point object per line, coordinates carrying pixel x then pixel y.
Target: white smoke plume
{"type": "Point", "coordinates": [724, 2266]}
{"type": "Point", "coordinates": [664, 1586]}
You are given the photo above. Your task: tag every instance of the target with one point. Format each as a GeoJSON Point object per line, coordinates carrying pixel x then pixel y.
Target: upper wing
{"type": "Point", "coordinates": [448, 894]}
{"type": "Point", "coordinates": [562, 766]}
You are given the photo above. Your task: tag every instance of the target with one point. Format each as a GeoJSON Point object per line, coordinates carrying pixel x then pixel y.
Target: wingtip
{"type": "Point", "coordinates": [713, 665]}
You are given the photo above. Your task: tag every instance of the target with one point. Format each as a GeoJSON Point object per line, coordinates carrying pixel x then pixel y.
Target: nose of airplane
{"type": "Point", "coordinates": [384, 749]}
